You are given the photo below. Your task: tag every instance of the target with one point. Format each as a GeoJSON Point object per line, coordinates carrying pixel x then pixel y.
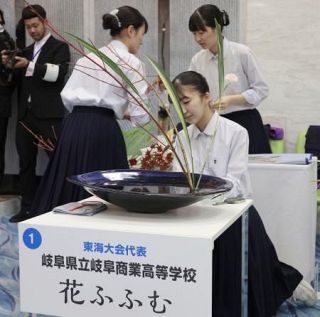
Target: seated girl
{"type": "Point", "coordinates": [220, 148]}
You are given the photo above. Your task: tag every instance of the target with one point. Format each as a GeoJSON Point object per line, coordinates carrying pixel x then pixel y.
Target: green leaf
{"type": "Point", "coordinates": [176, 104]}
{"type": "Point", "coordinates": [221, 91]}
{"type": "Point", "coordinates": [137, 138]}
{"type": "Point", "coordinates": [220, 59]}
{"type": "Point", "coordinates": [172, 93]}
{"type": "Point", "coordinates": [106, 60]}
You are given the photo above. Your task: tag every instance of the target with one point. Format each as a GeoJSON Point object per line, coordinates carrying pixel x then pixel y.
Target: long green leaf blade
{"type": "Point", "coordinates": [221, 92]}
{"type": "Point", "coordinates": [176, 103]}
{"type": "Point", "coordinates": [172, 93]}
{"type": "Point", "coordinates": [106, 60]}
{"type": "Point", "coordinates": [220, 59]}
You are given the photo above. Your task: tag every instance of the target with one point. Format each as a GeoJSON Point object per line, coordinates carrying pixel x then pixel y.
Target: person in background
{"type": "Point", "coordinates": [91, 138]}
{"type": "Point", "coordinates": [40, 74]}
{"type": "Point", "coordinates": [20, 35]}
{"type": "Point", "coordinates": [244, 86]}
{"type": "Point", "coordinates": [220, 148]}
{"type": "Point", "coordinates": [6, 90]}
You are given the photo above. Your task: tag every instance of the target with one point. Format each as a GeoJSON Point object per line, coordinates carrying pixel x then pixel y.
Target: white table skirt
{"type": "Point", "coordinates": [285, 197]}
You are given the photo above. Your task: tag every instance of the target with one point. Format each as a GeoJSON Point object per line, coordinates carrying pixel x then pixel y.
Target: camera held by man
{"type": "Point", "coordinates": [12, 57]}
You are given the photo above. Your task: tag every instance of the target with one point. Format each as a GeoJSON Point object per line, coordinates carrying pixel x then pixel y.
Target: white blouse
{"type": "Point", "coordinates": [242, 75]}
{"type": "Point", "coordinates": [227, 153]}
{"type": "Point", "coordinates": [89, 85]}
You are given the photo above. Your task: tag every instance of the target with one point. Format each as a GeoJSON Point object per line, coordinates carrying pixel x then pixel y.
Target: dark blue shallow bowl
{"type": "Point", "coordinates": [148, 191]}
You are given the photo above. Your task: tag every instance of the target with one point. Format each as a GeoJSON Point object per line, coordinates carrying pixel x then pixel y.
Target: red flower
{"type": "Point", "coordinates": [154, 157]}
{"type": "Point", "coordinates": [133, 161]}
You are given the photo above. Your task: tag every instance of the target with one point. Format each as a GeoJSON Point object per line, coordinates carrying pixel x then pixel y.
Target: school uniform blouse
{"type": "Point", "coordinates": [90, 85]}
{"type": "Point", "coordinates": [223, 145]}
{"type": "Point", "coordinates": [242, 76]}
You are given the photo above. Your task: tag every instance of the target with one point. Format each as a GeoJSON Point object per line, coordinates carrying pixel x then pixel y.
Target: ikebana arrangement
{"type": "Point", "coordinates": [164, 146]}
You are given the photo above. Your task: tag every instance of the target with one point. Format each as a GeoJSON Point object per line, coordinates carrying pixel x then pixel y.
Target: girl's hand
{"type": "Point", "coordinates": [126, 115]}
{"type": "Point", "coordinates": [227, 101]}
{"type": "Point", "coordinates": [221, 104]}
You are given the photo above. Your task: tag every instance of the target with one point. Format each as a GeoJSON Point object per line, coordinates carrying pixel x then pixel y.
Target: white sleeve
{"type": "Point", "coordinates": [237, 171]}
{"type": "Point", "coordinates": [73, 90]}
{"type": "Point", "coordinates": [192, 65]}
{"type": "Point", "coordinates": [258, 89]}
{"type": "Point", "coordinates": [138, 115]}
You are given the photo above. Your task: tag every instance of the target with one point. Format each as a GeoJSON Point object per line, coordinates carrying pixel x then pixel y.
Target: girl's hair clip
{"type": "Point", "coordinates": [225, 18]}
{"type": "Point", "coordinates": [114, 13]}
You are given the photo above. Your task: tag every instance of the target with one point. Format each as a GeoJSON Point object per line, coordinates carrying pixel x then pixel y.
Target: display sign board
{"type": "Point", "coordinates": [92, 272]}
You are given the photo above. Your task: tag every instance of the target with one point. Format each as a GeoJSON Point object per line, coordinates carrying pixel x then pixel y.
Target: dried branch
{"type": "Point", "coordinates": [42, 143]}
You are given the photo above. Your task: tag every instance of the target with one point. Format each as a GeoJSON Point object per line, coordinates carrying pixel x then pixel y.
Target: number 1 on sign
{"type": "Point", "coordinates": [32, 238]}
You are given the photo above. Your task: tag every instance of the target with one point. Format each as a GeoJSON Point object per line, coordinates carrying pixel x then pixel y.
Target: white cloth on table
{"type": "Point", "coordinates": [285, 195]}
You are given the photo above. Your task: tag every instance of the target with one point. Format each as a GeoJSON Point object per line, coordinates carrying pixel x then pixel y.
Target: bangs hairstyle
{"type": "Point", "coordinates": [33, 11]}
{"type": "Point", "coordinates": [193, 79]}
{"type": "Point", "coordinates": [205, 16]}
{"type": "Point", "coordinates": [124, 17]}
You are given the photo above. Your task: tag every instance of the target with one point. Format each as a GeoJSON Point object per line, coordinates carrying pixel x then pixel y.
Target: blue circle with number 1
{"type": "Point", "coordinates": [32, 238]}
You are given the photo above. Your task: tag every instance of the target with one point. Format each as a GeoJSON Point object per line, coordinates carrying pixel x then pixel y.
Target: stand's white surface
{"type": "Point", "coordinates": [183, 237]}
{"type": "Point", "coordinates": [285, 197]}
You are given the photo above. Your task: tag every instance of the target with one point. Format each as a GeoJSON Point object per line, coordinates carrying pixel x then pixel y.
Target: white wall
{"type": "Point", "coordinates": [285, 36]}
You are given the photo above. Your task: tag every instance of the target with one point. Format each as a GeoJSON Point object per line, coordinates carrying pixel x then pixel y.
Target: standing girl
{"type": "Point", "coordinates": [244, 86]}
{"type": "Point", "coordinates": [91, 138]}
{"type": "Point", "coordinates": [220, 148]}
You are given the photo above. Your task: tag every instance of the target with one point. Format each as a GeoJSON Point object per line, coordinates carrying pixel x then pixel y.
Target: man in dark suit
{"type": "Point", "coordinates": [6, 90]}
{"type": "Point", "coordinates": [40, 73]}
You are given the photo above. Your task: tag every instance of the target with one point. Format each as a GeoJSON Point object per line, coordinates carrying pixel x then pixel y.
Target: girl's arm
{"type": "Point", "coordinates": [136, 113]}
{"type": "Point", "coordinates": [237, 170]}
{"type": "Point", "coordinates": [258, 89]}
